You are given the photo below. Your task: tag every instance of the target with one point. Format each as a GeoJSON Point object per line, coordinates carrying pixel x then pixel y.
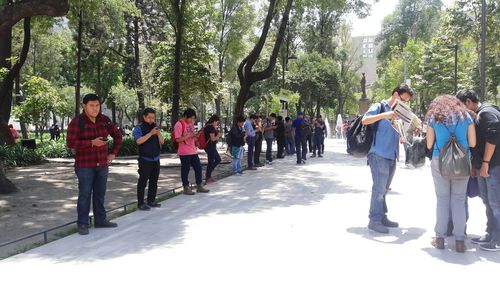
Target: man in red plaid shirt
{"type": "Point", "coordinates": [88, 137]}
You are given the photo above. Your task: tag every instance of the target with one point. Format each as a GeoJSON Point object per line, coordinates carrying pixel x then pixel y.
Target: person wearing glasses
{"type": "Point", "coordinates": [383, 154]}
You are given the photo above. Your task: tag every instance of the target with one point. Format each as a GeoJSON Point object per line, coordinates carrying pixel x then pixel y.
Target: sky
{"type": "Point", "coordinates": [373, 23]}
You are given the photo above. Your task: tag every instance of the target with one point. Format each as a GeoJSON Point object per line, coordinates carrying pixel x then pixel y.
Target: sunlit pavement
{"type": "Point", "coordinates": [281, 222]}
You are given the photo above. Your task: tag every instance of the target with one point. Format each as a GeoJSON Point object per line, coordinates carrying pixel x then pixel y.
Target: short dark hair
{"type": "Point", "coordinates": [464, 94]}
{"type": "Point", "coordinates": [188, 113]}
{"type": "Point", "coordinates": [253, 116]}
{"type": "Point", "coordinates": [279, 118]}
{"type": "Point", "coordinates": [91, 97]}
{"type": "Point", "coordinates": [272, 115]}
{"type": "Point", "coordinates": [10, 126]}
{"type": "Point", "coordinates": [287, 119]}
{"type": "Point", "coordinates": [148, 110]}
{"type": "Point", "coordinates": [240, 118]}
{"type": "Point", "coordinates": [403, 88]}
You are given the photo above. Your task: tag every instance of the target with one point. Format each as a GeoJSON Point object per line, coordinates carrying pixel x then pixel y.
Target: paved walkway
{"type": "Point", "coordinates": [281, 222]}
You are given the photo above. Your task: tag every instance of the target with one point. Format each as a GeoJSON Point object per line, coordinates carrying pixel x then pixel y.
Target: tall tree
{"type": "Point", "coordinates": [247, 76]}
{"type": "Point", "coordinates": [10, 14]}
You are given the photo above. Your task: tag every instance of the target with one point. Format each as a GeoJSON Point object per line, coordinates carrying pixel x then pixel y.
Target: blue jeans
{"type": "Point", "coordinates": [237, 153]}
{"type": "Point", "coordinates": [91, 184]}
{"type": "Point", "coordinates": [213, 160]}
{"type": "Point", "coordinates": [188, 161]}
{"type": "Point", "coordinates": [382, 173]}
{"type": "Point", "coordinates": [251, 145]}
{"type": "Point", "coordinates": [489, 191]}
{"type": "Point", "coordinates": [290, 145]}
{"type": "Point", "coordinates": [269, 150]}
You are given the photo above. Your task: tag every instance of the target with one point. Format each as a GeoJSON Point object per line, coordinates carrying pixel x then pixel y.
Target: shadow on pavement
{"type": "Point", "coordinates": [395, 235]}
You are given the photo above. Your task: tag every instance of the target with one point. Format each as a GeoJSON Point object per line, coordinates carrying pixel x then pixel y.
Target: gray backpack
{"type": "Point", "coordinates": [454, 161]}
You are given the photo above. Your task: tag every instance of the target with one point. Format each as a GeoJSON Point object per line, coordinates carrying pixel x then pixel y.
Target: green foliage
{"type": "Point", "coordinates": [54, 149]}
{"type": "Point", "coordinates": [413, 19]}
{"type": "Point", "coordinates": [17, 156]}
{"type": "Point", "coordinates": [40, 100]}
{"type": "Point", "coordinates": [198, 81]}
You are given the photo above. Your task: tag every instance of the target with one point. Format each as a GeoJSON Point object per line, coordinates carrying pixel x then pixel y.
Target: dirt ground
{"type": "Point", "coordinates": [49, 193]}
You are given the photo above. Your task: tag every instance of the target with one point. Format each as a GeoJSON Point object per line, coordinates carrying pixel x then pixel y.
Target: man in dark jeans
{"type": "Point", "coordinates": [269, 127]}
{"type": "Point", "coordinates": [486, 161]}
{"type": "Point", "coordinates": [212, 135]}
{"type": "Point", "coordinates": [88, 137]}
{"type": "Point", "coordinates": [318, 135]}
{"type": "Point", "coordinates": [149, 139]}
{"type": "Point", "coordinates": [250, 132]}
{"type": "Point", "coordinates": [382, 156]}
{"type": "Point", "coordinates": [300, 140]}
{"type": "Point", "coordinates": [258, 141]}
{"type": "Point", "coordinates": [280, 136]}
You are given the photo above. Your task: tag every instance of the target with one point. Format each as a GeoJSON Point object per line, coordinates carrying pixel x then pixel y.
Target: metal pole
{"type": "Point", "coordinates": [456, 68]}
{"type": "Point", "coordinates": [483, 50]}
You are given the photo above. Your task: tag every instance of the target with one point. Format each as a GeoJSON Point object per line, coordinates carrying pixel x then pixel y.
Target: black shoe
{"type": "Point", "coordinates": [154, 205]}
{"type": "Point", "coordinates": [83, 229]}
{"type": "Point", "coordinates": [387, 222]}
{"type": "Point", "coordinates": [105, 224]}
{"type": "Point", "coordinates": [143, 207]}
{"type": "Point", "coordinates": [320, 156]}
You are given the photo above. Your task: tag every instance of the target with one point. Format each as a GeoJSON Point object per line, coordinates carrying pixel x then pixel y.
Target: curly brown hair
{"type": "Point", "coordinates": [443, 108]}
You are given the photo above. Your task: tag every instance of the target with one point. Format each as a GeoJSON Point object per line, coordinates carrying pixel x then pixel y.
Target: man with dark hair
{"type": "Point", "coordinates": [269, 127]}
{"type": "Point", "coordinates": [382, 156]}
{"type": "Point", "coordinates": [258, 141]}
{"type": "Point", "coordinates": [250, 139]}
{"type": "Point", "coordinates": [486, 161]}
{"type": "Point", "coordinates": [148, 137]}
{"type": "Point", "coordinates": [280, 136]}
{"type": "Point", "coordinates": [88, 137]}
{"type": "Point", "coordinates": [237, 144]}
{"type": "Point", "coordinates": [185, 135]}
{"type": "Point", "coordinates": [318, 134]}
{"type": "Point", "coordinates": [300, 139]}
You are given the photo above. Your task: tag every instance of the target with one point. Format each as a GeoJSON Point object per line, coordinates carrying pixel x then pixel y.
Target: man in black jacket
{"type": "Point", "coordinates": [149, 139]}
{"type": "Point", "coordinates": [486, 161]}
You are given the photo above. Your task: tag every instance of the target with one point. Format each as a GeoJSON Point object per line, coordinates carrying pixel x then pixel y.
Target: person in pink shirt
{"type": "Point", "coordinates": [185, 136]}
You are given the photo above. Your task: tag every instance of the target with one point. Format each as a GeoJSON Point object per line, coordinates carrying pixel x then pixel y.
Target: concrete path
{"type": "Point", "coordinates": [281, 222]}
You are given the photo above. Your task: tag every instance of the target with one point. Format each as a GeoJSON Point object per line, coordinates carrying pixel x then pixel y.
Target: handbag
{"type": "Point", "coordinates": [472, 187]}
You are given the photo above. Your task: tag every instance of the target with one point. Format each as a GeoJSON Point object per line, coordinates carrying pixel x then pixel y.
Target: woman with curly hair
{"type": "Point", "coordinates": [448, 115]}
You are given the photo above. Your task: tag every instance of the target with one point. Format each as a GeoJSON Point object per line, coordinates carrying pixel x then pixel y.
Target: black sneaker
{"type": "Point", "coordinates": [378, 227]}
{"type": "Point", "coordinates": [493, 246]}
{"type": "Point", "coordinates": [83, 229]}
{"type": "Point", "coordinates": [154, 205]}
{"type": "Point", "coordinates": [105, 224]}
{"type": "Point", "coordinates": [485, 239]}
{"type": "Point", "coordinates": [143, 207]}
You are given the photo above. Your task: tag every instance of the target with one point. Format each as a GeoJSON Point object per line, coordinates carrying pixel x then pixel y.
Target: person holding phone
{"type": "Point", "coordinates": [149, 139]}
{"type": "Point", "coordinates": [88, 137]}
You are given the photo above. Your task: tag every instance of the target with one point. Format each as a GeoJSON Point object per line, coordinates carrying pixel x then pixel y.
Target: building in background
{"type": "Point", "coordinates": [365, 51]}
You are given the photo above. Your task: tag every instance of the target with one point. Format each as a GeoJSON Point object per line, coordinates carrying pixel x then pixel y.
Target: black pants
{"type": "Point", "coordinates": [213, 159]}
{"type": "Point", "coordinates": [310, 142]}
{"type": "Point", "coordinates": [257, 150]}
{"type": "Point", "coordinates": [318, 140]}
{"type": "Point", "coordinates": [281, 145]}
{"type": "Point", "coordinates": [301, 149]}
{"type": "Point", "coordinates": [148, 170]}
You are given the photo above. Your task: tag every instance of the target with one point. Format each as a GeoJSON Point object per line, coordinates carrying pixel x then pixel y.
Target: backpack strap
{"type": "Point", "coordinates": [375, 126]}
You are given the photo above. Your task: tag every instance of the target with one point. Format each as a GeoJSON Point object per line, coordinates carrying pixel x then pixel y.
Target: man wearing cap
{"type": "Point", "coordinates": [300, 141]}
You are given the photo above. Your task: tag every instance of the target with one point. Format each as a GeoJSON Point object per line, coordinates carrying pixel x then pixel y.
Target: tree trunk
{"type": "Point", "coordinates": [8, 82]}
{"type": "Point", "coordinates": [78, 62]}
{"type": "Point", "coordinates": [6, 186]}
{"type": "Point", "coordinates": [246, 75]}
{"type": "Point", "coordinates": [179, 8]}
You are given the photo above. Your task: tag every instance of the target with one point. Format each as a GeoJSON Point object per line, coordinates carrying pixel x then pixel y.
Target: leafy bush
{"type": "Point", "coordinates": [53, 149]}
{"type": "Point", "coordinates": [17, 155]}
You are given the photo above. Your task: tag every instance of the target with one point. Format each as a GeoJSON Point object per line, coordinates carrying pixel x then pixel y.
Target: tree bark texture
{"type": "Point", "coordinates": [246, 74]}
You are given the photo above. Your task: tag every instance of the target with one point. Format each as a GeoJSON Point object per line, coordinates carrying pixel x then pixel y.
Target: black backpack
{"type": "Point", "coordinates": [360, 137]}
{"type": "Point", "coordinates": [454, 160]}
